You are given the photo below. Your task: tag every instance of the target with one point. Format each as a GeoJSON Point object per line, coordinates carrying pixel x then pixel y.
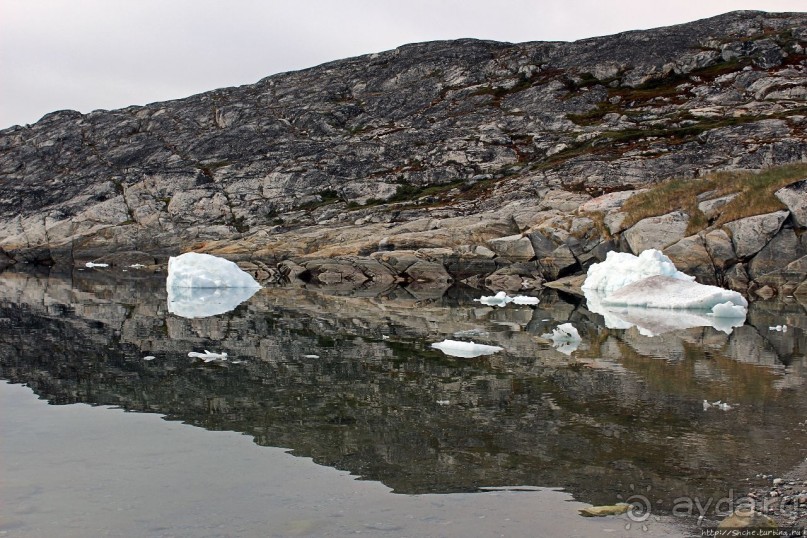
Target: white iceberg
{"type": "Point", "coordinates": [467, 350]}
{"type": "Point", "coordinates": [502, 299]}
{"type": "Point", "coordinates": [630, 290]}
{"type": "Point", "coordinates": [201, 285]}
{"type": "Point", "coordinates": [621, 268]}
{"type": "Point", "coordinates": [91, 265]}
{"type": "Point", "coordinates": [671, 293]}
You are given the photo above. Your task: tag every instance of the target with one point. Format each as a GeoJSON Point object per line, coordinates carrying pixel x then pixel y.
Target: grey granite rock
{"type": "Point", "coordinates": [433, 145]}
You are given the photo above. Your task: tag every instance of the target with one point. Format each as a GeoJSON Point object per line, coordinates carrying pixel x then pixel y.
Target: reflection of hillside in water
{"type": "Point", "coordinates": [611, 415]}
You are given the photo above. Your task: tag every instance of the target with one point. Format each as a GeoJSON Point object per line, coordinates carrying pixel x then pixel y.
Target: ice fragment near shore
{"type": "Point", "coordinates": [621, 268]}
{"type": "Point", "coordinates": [195, 270]}
{"type": "Point", "coordinates": [625, 288]}
{"type": "Point", "coordinates": [208, 356]}
{"type": "Point", "coordinates": [201, 285]}
{"type": "Point", "coordinates": [502, 299]}
{"type": "Point", "coordinates": [467, 350]}
{"type": "Point", "coordinates": [667, 292]}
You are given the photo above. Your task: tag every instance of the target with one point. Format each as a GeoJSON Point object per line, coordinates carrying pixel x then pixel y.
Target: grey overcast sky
{"type": "Point", "coordinates": [91, 54]}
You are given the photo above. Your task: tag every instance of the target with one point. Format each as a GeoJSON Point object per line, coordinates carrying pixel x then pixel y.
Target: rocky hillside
{"type": "Point", "coordinates": [436, 161]}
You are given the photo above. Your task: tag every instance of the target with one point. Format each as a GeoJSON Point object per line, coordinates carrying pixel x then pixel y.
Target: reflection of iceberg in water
{"type": "Point", "coordinates": [565, 338]}
{"type": "Point", "coordinates": [205, 302]}
{"type": "Point", "coordinates": [655, 321]}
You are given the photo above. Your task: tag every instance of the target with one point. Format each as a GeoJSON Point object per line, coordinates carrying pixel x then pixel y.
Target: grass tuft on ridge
{"type": "Point", "coordinates": [755, 196]}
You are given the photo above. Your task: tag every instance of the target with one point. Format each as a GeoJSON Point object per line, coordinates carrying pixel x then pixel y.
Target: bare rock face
{"type": "Point", "coordinates": [657, 232]}
{"type": "Point", "coordinates": [691, 256]}
{"type": "Point", "coordinates": [794, 196]}
{"type": "Point", "coordinates": [750, 234]}
{"type": "Point", "coordinates": [497, 153]}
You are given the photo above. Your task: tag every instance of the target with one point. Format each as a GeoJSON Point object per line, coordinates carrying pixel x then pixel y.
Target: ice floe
{"type": "Point", "coordinates": [149, 358]}
{"type": "Point", "coordinates": [91, 265]}
{"type": "Point", "coordinates": [201, 285]}
{"type": "Point", "coordinates": [778, 328]}
{"type": "Point", "coordinates": [502, 299]}
{"type": "Point", "coordinates": [468, 350]}
{"type": "Point", "coordinates": [208, 356]}
{"type": "Point", "coordinates": [642, 290]}
{"type": "Point", "coordinates": [723, 406]}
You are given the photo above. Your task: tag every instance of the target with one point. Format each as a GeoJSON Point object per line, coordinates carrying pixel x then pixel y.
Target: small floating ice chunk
{"type": "Point", "coordinates": [729, 310]}
{"type": "Point", "coordinates": [149, 358]}
{"type": "Point", "coordinates": [525, 300]}
{"type": "Point", "coordinates": [500, 299]}
{"type": "Point", "coordinates": [311, 356]}
{"type": "Point", "coordinates": [91, 265]}
{"type": "Point", "coordinates": [778, 328]}
{"type": "Point", "coordinates": [719, 404]}
{"type": "Point", "coordinates": [467, 350]}
{"type": "Point", "coordinates": [208, 356]}
{"type": "Point", "coordinates": [443, 402]}
{"type": "Point", "coordinates": [621, 268]}
{"type": "Point", "coordinates": [137, 266]}
{"type": "Point", "coordinates": [565, 338]}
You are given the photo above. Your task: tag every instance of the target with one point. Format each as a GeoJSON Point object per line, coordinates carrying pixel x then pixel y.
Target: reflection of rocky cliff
{"type": "Point", "coordinates": [611, 416]}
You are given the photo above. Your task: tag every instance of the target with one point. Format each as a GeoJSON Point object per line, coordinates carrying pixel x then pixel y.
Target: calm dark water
{"type": "Point", "coordinates": [352, 383]}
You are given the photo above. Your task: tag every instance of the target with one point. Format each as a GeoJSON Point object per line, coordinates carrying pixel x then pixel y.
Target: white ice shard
{"type": "Point", "coordinates": [467, 350]}
{"type": "Point", "coordinates": [208, 356]}
{"type": "Point", "coordinates": [621, 268]}
{"type": "Point", "coordinates": [525, 299]}
{"type": "Point", "coordinates": [91, 265]}
{"type": "Point", "coordinates": [565, 338]}
{"type": "Point", "coordinates": [201, 285]}
{"type": "Point", "coordinates": [500, 299]}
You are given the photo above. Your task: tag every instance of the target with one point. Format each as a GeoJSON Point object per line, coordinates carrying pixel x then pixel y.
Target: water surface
{"type": "Point", "coordinates": [350, 383]}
